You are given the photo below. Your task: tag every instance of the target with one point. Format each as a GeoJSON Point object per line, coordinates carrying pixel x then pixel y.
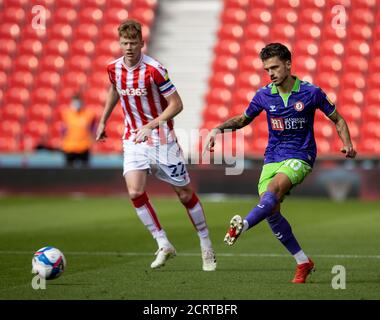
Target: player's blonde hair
{"type": "Point", "coordinates": [130, 29]}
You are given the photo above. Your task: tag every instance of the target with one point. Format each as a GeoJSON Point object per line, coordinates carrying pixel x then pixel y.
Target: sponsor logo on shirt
{"type": "Point", "coordinates": [277, 124]}
{"type": "Point", "coordinates": [280, 124]}
{"type": "Point", "coordinates": [272, 108]}
{"type": "Point", "coordinates": [133, 92]}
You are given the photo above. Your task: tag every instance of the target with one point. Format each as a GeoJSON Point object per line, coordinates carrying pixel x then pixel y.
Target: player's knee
{"type": "Point", "coordinates": [133, 193]}
{"type": "Point", "coordinates": [185, 196]}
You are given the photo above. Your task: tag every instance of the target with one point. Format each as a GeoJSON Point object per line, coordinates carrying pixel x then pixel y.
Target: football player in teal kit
{"type": "Point", "coordinates": [290, 105]}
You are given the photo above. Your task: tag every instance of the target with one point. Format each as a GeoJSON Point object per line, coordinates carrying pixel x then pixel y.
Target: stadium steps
{"type": "Point", "coordinates": [181, 27]}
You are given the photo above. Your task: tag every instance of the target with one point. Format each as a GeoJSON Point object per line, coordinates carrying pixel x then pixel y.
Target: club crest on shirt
{"type": "Point", "coordinates": [299, 106]}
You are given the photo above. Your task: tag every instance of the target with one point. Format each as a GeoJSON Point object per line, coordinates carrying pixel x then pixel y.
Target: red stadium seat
{"type": "Point", "coordinates": [8, 47]}
{"type": "Point", "coordinates": [21, 79]}
{"type": "Point", "coordinates": [357, 47]}
{"type": "Point", "coordinates": [12, 111]}
{"type": "Point", "coordinates": [65, 15]}
{"type": "Point", "coordinates": [79, 63]}
{"type": "Point", "coordinates": [13, 14]}
{"type": "Point", "coordinates": [56, 47]}
{"type": "Point", "coordinates": [116, 15]}
{"type": "Point", "coordinates": [354, 80]}
{"type": "Point", "coordinates": [35, 128]}
{"type": "Point", "coordinates": [233, 15]}
{"type": "Point", "coordinates": [8, 144]}
{"type": "Point", "coordinates": [17, 95]}
{"type": "Point", "coordinates": [48, 79]}
{"type": "Point", "coordinates": [68, 3]}
{"type": "Point", "coordinates": [90, 15]}
{"type": "Point", "coordinates": [360, 31]}
{"type": "Point", "coordinates": [356, 63]}
{"type": "Point", "coordinates": [375, 63]}
{"type": "Point", "coordinates": [25, 62]}
{"type": "Point", "coordinates": [371, 130]}
{"type": "Point", "coordinates": [9, 31]}
{"type": "Point", "coordinates": [39, 112]}
{"type": "Point", "coordinates": [30, 46]}
{"type": "Point", "coordinates": [373, 97]}
{"type": "Point", "coordinates": [10, 128]}
{"type": "Point", "coordinates": [227, 47]}
{"type": "Point", "coordinates": [305, 47]}
{"type": "Point", "coordinates": [3, 79]}
{"type": "Point", "coordinates": [225, 63]}
{"type": "Point", "coordinates": [96, 97]}
{"type": "Point", "coordinates": [256, 31]}
{"type": "Point", "coordinates": [75, 79]}
{"type": "Point", "coordinates": [332, 47]}
{"type": "Point", "coordinates": [222, 79]}
{"type": "Point", "coordinates": [371, 113]}
{"type": "Point", "coordinates": [329, 64]}
{"type": "Point", "coordinates": [108, 47]}
{"type": "Point", "coordinates": [259, 15]}
{"type": "Point", "coordinates": [5, 62]}
{"type": "Point", "coordinates": [109, 31]}
{"type": "Point", "coordinates": [373, 79]}
{"type": "Point", "coordinates": [219, 96]}
{"type": "Point", "coordinates": [52, 63]}
{"type": "Point", "coordinates": [236, 3]}
{"type": "Point", "coordinates": [144, 15]}
{"type": "Point", "coordinates": [97, 3]}
{"type": "Point", "coordinates": [304, 63]}
{"type": "Point", "coordinates": [61, 31]}
{"type": "Point", "coordinates": [250, 80]}
{"type": "Point", "coordinates": [251, 63]}
{"type": "Point", "coordinates": [327, 80]}
{"type": "Point", "coordinates": [285, 15]}
{"type": "Point", "coordinates": [82, 47]}
{"type": "Point", "coordinates": [86, 31]}
{"type": "Point", "coordinates": [361, 15]}
{"type": "Point", "coordinates": [151, 4]}
{"type": "Point", "coordinates": [311, 15]}
{"type": "Point", "coordinates": [252, 46]}
{"type": "Point", "coordinates": [350, 112]}
{"type": "Point", "coordinates": [230, 31]}
{"type": "Point", "coordinates": [309, 31]}
{"type": "Point", "coordinates": [44, 95]}
{"type": "Point", "coordinates": [119, 3]}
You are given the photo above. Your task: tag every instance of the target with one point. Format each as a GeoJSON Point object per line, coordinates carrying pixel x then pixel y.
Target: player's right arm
{"type": "Point", "coordinates": [111, 101]}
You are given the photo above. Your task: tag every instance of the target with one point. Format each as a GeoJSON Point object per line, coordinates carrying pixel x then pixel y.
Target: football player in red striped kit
{"type": "Point", "coordinates": [150, 101]}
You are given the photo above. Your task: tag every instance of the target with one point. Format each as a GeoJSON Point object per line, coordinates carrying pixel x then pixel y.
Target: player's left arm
{"type": "Point", "coordinates": [344, 134]}
{"type": "Point", "coordinates": [175, 106]}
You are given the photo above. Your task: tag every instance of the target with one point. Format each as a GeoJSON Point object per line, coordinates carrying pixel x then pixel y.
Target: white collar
{"type": "Point", "coordinates": [135, 66]}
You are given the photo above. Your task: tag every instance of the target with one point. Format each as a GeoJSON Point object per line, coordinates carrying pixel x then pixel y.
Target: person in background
{"type": "Point", "coordinates": [78, 133]}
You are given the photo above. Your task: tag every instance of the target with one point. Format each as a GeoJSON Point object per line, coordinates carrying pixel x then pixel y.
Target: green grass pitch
{"type": "Point", "coordinates": [109, 251]}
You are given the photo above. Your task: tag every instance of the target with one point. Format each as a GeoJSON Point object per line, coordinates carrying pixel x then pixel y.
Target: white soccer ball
{"type": "Point", "coordinates": [49, 263]}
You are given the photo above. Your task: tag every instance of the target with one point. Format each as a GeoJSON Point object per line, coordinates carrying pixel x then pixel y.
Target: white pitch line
{"type": "Point", "coordinates": [188, 254]}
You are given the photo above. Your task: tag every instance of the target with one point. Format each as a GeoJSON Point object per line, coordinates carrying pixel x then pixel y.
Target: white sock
{"type": "Point", "coordinates": [205, 243]}
{"type": "Point", "coordinates": [301, 257]}
{"type": "Point", "coordinates": [245, 225]}
{"type": "Point", "coordinates": [162, 240]}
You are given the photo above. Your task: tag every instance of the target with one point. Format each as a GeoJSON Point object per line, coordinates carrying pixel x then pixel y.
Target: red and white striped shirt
{"type": "Point", "coordinates": [142, 90]}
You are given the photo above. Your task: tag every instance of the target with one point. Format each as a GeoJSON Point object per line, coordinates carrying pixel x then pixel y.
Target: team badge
{"type": "Point", "coordinates": [299, 106]}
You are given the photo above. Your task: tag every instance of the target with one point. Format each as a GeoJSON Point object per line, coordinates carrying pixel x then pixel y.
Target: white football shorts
{"type": "Point", "coordinates": [166, 161]}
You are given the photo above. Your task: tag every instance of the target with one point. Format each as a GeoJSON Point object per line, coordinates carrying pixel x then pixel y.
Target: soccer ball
{"type": "Point", "coordinates": [49, 263]}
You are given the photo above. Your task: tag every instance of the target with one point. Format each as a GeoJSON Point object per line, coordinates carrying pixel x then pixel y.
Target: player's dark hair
{"type": "Point", "coordinates": [275, 50]}
{"type": "Point", "coordinates": [130, 29]}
